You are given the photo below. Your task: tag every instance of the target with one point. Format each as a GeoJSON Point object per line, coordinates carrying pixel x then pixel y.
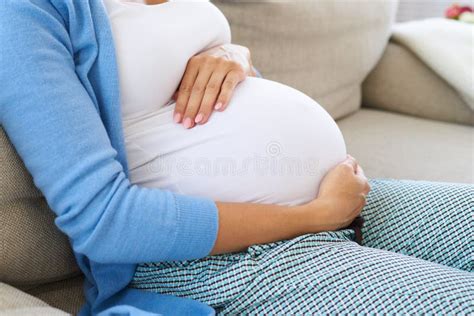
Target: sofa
{"type": "Point", "coordinates": [398, 118]}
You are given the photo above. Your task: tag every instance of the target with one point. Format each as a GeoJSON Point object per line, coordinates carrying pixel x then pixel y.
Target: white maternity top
{"type": "Point", "coordinates": [273, 144]}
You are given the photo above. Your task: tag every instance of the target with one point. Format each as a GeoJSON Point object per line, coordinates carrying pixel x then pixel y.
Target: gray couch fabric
{"type": "Point", "coordinates": [33, 251]}
{"type": "Point", "coordinates": [14, 302]}
{"type": "Point", "coordinates": [66, 295]}
{"type": "Point", "coordinates": [322, 48]}
{"type": "Point", "coordinates": [390, 145]}
{"type": "Point", "coordinates": [402, 83]}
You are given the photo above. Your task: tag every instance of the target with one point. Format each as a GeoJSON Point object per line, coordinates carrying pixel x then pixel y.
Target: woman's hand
{"type": "Point", "coordinates": [341, 198]}
{"type": "Point", "coordinates": [209, 81]}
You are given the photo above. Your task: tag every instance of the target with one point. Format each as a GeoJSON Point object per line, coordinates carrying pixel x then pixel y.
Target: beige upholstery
{"type": "Point", "coordinates": [403, 147]}
{"type": "Point", "coordinates": [14, 302]}
{"type": "Point", "coordinates": [423, 9]}
{"type": "Point", "coordinates": [324, 48]}
{"type": "Point", "coordinates": [32, 250]}
{"type": "Point", "coordinates": [403, 83]}
{"type": "Point", "coordinates": [66, 295]}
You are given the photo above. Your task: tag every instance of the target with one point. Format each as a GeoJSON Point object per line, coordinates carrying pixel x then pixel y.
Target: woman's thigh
{"type": "Point", "coordinates": [316, 273]}
{"type": "Point", "coordinates": [427, 220]}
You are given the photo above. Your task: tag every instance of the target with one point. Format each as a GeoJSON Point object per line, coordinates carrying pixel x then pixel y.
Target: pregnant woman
{"type": "Point", "coordinates": [174, 208]}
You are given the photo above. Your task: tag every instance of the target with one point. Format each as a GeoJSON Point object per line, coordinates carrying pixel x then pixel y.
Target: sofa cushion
{"type": "Point", "coordinates": [33, 250]}
{"type": "Point", "coordinates": [66, 295]}
{"type": "Point", "coordinates": [323, 48]}
{"type": "Point", "coordinates": [14, 302]}
{"type": "Point", "coordinates": [402, 83]}
{"type": "Point", "coordinates": [390, 145]}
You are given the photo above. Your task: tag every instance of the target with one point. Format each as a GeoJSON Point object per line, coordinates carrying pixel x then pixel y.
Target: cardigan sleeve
{"type": "Point", "coordinates": [57, 131]}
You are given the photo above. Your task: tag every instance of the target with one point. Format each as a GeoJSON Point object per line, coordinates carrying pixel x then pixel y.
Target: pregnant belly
{"type": "Point", "coordinates": [273, 144]}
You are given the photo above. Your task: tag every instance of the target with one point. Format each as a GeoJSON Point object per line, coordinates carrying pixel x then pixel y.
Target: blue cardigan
{"type": "Point", "coordinates": [59, 105]}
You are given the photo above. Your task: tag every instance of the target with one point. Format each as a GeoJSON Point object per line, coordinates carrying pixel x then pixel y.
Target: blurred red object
{"type": "Point", "coordinates": [454, 11]}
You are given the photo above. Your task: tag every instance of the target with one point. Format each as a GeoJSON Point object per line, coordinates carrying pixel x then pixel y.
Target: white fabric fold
{"type": "Point", "coordinates": [446, 46]}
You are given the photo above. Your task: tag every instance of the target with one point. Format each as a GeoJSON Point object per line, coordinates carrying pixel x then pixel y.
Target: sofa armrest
{"type": "Point", "coordinates": [402, 83]}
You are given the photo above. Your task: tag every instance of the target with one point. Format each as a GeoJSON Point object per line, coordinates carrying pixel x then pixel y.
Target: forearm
{"type": "Point", "coordinates": [245, 224]}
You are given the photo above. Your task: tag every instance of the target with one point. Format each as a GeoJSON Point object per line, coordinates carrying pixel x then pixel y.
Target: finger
{"type": "Point", "coordinates": [360, 171]}
{"type": "Point", "coordinates": [364, 200]}
{"type": "Point", "coordinates": [360, 207]}
{"type": "Point", "coordinates": [365, 182]}
{"type": "Point", "coordinates": [197, 93]}
{"type": "Point", "coordinates": [210, 96]}
{"type": "Point", "coordinates": [351, 162]}
{"type": "Point", "coordinates": [367, 188]}
{"type": "Point", "coordinates": [227, 89]}
{"type": "Point", "coordinates": [184, 90]}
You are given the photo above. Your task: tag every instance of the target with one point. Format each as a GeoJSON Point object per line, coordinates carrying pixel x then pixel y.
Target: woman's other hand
{"type": "Point", "coordinates": [209, 81]}
{"type": "Point", "coordinates": [341, 198]}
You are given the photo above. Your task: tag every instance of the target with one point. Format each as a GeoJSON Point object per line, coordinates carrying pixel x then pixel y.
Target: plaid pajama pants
{"type": "Point", "coordinates": [416, 257]}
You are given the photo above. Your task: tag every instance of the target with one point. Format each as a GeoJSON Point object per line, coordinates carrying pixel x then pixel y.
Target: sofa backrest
{"type": "Point", "coordinates": [32, 250]}
{"type": "Point", "coordinates": [324, 48]}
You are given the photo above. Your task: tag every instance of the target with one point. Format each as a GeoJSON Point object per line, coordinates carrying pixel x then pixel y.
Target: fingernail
{"type": "Point", "coordinates": [199, 118]}
{"type": "Point", "coordinates": [218, 106]}
{"type": "Point", "coordinates": [188, 123]}
{"type": "Point", "coordinates": [177, 117]}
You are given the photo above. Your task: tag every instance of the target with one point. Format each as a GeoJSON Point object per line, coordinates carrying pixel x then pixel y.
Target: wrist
{"type": "Point", "coordinates": [301, 219]}
{"type": "Point", "coordinates": [313, 217]}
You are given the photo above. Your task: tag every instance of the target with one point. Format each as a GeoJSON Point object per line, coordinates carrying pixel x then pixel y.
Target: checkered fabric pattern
{"type": "Point", "coordinates": [417, 257]}
{"type": "Point", "coordinates": [427, 220]}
